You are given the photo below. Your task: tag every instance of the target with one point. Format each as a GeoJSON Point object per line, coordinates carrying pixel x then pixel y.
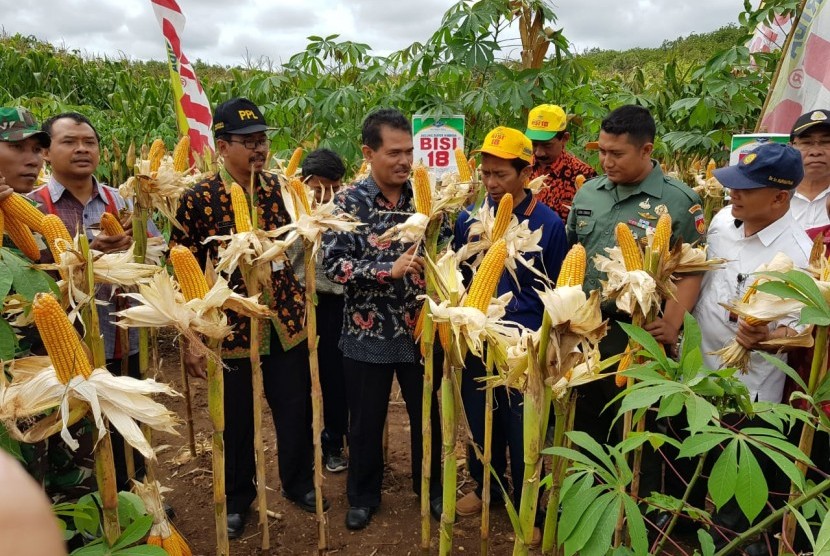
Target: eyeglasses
{"type": "Point", "coordinates": [822, 143]}
{"type": "Point", "coordinates": [251, 144]}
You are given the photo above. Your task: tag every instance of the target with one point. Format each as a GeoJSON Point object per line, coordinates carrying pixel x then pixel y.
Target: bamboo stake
{"type": "Point", "coordinates": [780, 64]}
{"type": "Point", "coordinates": [316, 392]}
{"type": "Point", "coordinates": [487, 456]}
{"type": "Point", "coordinates": [818, 372]}
{"type": "Point", "coordinates": [428, 339]}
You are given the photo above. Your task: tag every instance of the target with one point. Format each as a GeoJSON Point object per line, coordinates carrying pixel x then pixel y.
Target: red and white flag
{"type": "Point", "coordinates": [804, 80]}
{"type": "Point", "coordinates": [769, 38]}
{"type": "Point", "coordinates": [192, 106]}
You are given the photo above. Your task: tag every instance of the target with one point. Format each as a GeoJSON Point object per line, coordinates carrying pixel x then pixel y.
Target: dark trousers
{"type": "Point", "coordinates": [287, 388]}
{"type": "Point", "coordinates": [332, 381]}
{"type": "Point", "coordinates": [507, 430]}
{"type": "Point", "coordinates": [118, 453]}
{"type": "Point", "coordinates": [368, 386]}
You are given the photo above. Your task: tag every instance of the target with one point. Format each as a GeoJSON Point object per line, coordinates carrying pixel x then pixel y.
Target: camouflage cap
{"type": "Point", "coordinates": [17, 124]}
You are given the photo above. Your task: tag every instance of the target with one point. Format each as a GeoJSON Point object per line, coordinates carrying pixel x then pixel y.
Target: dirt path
{"type": "Point", "coordinates": [394, 531]}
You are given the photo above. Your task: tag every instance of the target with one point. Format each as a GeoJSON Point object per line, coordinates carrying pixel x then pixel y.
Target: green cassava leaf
{"type": "Point", "coordinates": [593, 526]}
{"type": "Point", "coordinates": [723, 475]}
{"type": "Point", "coordinates": [751, 491]}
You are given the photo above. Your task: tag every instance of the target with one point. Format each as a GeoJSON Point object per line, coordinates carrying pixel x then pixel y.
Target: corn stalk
{"type": "Point", "coordinates": [216, 408]}
{"type": "Point", "coordinates": [104, 464]}
{"type": "Point", "coordinates": [316, 392]}
{"type": "Point", "coordinates": [818, 373]}
{"type": "Point", "coordinates": [449, 426]}
{"type": "Point", "coordinates": [564, 411]}
{"type": "Point", "coordinates": [428, 340]}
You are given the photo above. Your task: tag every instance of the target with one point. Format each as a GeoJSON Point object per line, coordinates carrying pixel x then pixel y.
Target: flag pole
{"type": "Point", "coordinates": [779, 65]}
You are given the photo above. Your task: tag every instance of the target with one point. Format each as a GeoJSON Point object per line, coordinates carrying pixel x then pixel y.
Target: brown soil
{"type": "Point", "coordinates": [395, 529]}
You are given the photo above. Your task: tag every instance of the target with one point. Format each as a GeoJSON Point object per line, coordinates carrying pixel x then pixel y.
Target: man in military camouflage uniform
{"type": "Point", "coordinates": [633, 190]}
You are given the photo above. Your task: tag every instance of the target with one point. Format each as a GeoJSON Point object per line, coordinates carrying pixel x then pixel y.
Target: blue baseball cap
{"type": "Point", "coordinates": [768, 165]}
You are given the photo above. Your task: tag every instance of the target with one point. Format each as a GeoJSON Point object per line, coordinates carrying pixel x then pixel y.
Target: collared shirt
{"type": "Point", "coordinates": [380, 312]}
{"type": "Point", "coordinates": [205, 210]}
{"type": "Point", "coordinates": [810, 214]}
{"type": "Point", "coordinates": [559, 188]}
{"type": "Point", "coordinates": [526, 308]}
{"type": "Point", "coordinates": [77, 216]}
{"type": "Point", "coordinates": [744, 255]}
{"type": "Point", "coordinates": [600, 204]}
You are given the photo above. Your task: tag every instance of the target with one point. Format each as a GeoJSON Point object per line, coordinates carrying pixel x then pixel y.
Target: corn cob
{"type": "Point", "coordinates": [22, 237]}
{"type": "Point", "coordinates": [2, 225]}
{"type": "Point", "coordinates": [444, 333]}
{"type": "Point", "coordinates": [573, 268]}
{"type": "Point", "coordinates": [181, 154]}
{"type": "Point", "coordinates": [19, 208]}
{"type": "Point", "coordinates": [110, 225]}
{"type": "Point", "coordinates": [155, 155]}
{"type": "Point", "coordinates": [421, 189]}
{"type": "Point", "coordinates": [503, 215]}
{"type": "Point", "coordinates": [662, 235]}
{"type": "Point", "coordinates": [300, 193]}
{"type": "Point", "coordinates": [294, 162]}
{"type": "Point", "coordinates": [53, 229]}
{"type": "Point", "coordinates": [619, 379]}
{"type": "Point", "coordinates": [710, 169]}
{"type": "Point", "coordinates": [190, 277]}
{"type": "Point", "coordinates": [174, 545]}
{"type": "Point", "coordinates": [579, 181]}
{"type": "Point", "coordinates": [487, 277]}
{"type": "Point", "coordinates": [464, 173]}
{"type": "Point", "coordinates": [131, 158]}
{"type": "Point", "coordinates": [60, 339]}
{"type": "Point", "coordinates": [628, 245]}
{"type": "Point", "coordinates": [241, 213]}
{"type": "Point", "coordinates": [750, 291]}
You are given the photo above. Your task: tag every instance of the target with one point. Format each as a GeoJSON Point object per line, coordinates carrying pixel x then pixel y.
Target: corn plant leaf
{"type": "Point", "coordinates": [784, 368]}
{"type": "Point", "coordinates": [594, 524]}
{"type": "Point", "coordinates": [751, 489]}
{"type": "Point", "coordinates": [804, 285]}
{"type": "Point", "coordinates": [815, 315]}
{"type": "Point", "coordinates": [723, 475]}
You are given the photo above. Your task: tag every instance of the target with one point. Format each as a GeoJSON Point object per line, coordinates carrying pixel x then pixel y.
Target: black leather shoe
{"type": "Point", "coordinates": [358, 518]}
{"type": "Point", "coordinates": [236, 525]}
{"type": "Point", "coordinates": [307, 501]}
{"type": "Point", "coordinates": [436, 507]}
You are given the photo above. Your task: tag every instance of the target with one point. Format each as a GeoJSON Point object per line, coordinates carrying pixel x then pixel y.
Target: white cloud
{"type": "Point", "coordinates": [223, 32]}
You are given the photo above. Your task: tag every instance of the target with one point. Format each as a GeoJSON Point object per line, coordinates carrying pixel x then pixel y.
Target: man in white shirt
{"type": "Point", "coordinates": [811, 136]}
{"type": "Point", "coordinates": [750, 232]}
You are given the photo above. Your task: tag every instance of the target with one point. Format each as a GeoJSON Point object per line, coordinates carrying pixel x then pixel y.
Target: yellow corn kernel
{"type": "Point", "coordinates": [421, 189]}
{"type": "Point", "coordinates": [487, 277]}
{"type": "Point", "coordinates": [190, 277]}
{"type": "Point", "coordinates": [22, 237]}
{"type": "Point", "coordinates": [419, 324]}
{"type": "Point", "coordinates": [110, 225]}
{"type": "Point", "coordinates": [573, 268]}
{"type": "Point", "coordinates": [579, 181]}
{"type": "Point", "coordinates": [2, 225]}
{"type": "Point", "coordinates": [504, 213]}
{"type": "Point", "coordinates": [444, 335]}
{"type": "Point", "coordinates": [464, 173]}
{"type": "Point", "coordinates": [157, 150]}
{"type": "Point", "coordinates": [300, 194]}
{"type": "Point", "coordinates": [619, 379]}
{"type": "Point", "coordinates": [750, 291]}
{"type": "Point", "coordinates": [17, 207]}
{"type": "Point", "coordinates": [662, 235]}
{"type": "Point", "coordinates": [54, 229]}
{"type": "Point", "coordinates": [61, 340]}
{"type": "Point", "coordinates": [294, 162]}
{"type": "Point", "coordinates": [628, 245]}
{"type": "Point", "coordinates": [710, 169]}
{"type": "Point", "coordinates": [175, 545]}
{"type": "Point", "coordinates": [241, 212]}
{"type": "Point", "coordinates": [816, 252]}
{"type": "Point", "coordinates": [181, 154]}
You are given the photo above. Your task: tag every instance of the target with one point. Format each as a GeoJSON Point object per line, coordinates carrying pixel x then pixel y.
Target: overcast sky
{"type": "Point", "coordinates": [226, 31]}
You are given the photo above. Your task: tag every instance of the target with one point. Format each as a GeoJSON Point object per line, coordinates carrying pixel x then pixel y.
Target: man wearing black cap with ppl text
{"type": "Point", "coordinates": [748, 233]}
{"type": "Point", "coordinates": [811, 136]}
{"type": "Point", "coordinates": [206, 210]}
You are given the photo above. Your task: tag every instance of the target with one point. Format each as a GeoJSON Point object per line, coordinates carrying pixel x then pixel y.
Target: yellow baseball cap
{"type": "Point", "coordinates": [506, 142]}
{"type": "Point", "coordinates": [545, 121]}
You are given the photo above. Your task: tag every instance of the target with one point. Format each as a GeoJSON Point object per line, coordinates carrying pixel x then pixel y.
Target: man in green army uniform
{"type": "Point", "coordinates": [633, 190]}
